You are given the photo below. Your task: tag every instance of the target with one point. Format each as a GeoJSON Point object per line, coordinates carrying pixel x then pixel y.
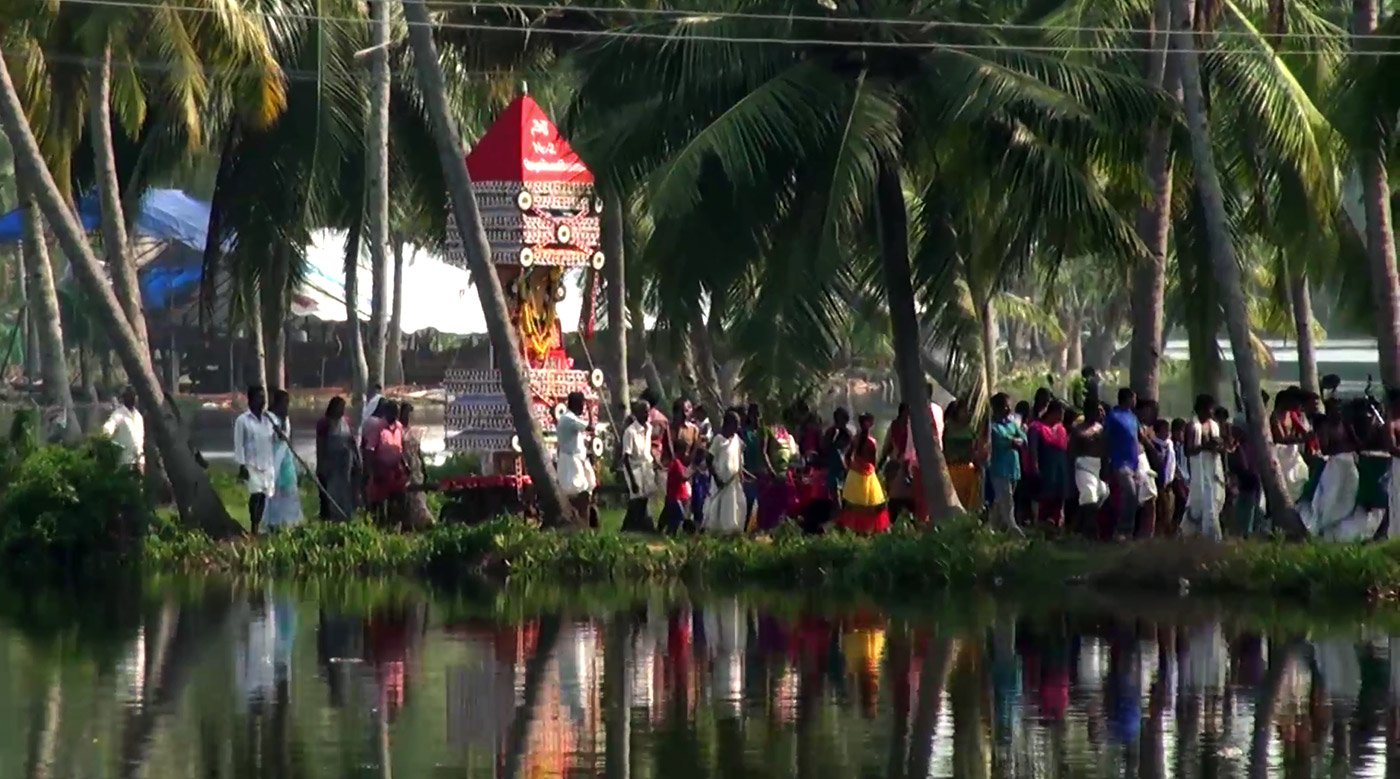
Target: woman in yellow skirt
{"type": "Point", "coordinates": [864, 509]}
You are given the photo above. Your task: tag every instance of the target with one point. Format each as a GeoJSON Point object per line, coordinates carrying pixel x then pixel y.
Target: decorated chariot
{"type": "Point", "coordinates": [541, 215]}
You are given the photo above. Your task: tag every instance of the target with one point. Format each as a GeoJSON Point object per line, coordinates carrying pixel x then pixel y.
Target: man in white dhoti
{"type": "Point", "coordinates": [1289, 427]}
{"type": "Point", "coordinates": [726, 508]}
{"type": "Point", "coordinates": [254, 451]}
{"type": "Point", "coordinates": [1086, 442]}
{"type": "Point", "coordinates": [638, 468]}
{"type": "Point", "coordinates": [576, 474]}
{"type": "Point", "coordinates": [1206, 499]}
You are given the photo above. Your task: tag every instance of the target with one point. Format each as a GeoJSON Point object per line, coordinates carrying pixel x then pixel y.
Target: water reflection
{"type": "Point", "coordinates": [265, 681]}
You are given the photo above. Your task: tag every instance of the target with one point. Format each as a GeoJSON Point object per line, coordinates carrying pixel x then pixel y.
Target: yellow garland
{"type": "Point", "coordinates": [537, 312]}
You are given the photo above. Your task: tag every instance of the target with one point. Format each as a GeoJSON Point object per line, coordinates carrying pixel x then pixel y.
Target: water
{"type": "Point", "coordinates": [353, 679]}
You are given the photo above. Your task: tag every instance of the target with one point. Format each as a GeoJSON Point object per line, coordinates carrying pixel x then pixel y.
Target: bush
{"type": "Point", "coordinates": [457, 464]}
{"type": "Point", "coordinates": [67, 506]}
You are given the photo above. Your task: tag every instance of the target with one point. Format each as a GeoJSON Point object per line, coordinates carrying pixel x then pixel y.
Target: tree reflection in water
{"type": "Point", "coordinates": [357, 680]}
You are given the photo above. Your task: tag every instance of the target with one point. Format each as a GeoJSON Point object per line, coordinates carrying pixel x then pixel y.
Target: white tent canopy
{"type": "Point", "coordinates": [436, 295]}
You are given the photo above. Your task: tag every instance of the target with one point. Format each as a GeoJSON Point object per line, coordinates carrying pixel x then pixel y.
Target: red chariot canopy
{"type": "Point", "coordinates": [524, 145]}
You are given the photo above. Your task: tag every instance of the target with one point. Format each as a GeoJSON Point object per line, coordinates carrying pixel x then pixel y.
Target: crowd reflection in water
{"type": "Point", "coordinates": [720, 687]}
{"type": "Point", "coordinates": [726, 686]}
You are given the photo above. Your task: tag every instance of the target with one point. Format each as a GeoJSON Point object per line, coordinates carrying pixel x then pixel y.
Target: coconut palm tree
{"type": "Point", "coordinates": [198, 504]}
{"type": "Point", "coordinates": [377, 196]}
{"type": "Point", "coordinates": [814, 149]}
{"type": "Point", "coordinates": [280, 180]}
{"type": "Point", "coordinates": [615, 288]}
{"type": "Point", "coordinates": [129, 58]}
{"type": "Point", "coordinates": [1370, 150]}
{"type": "Point", "coordinates": [44, 307]}
{"type": "Point", "coordinates": [505, 344]}
{"type": "Point", "coordinates": [1227, 271]}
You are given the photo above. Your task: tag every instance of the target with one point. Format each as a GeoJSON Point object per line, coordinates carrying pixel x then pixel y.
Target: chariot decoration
{"type": "Point", "coordinates": [541, 214]}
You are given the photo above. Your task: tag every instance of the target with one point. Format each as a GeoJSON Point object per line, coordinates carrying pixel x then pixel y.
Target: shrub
{"type": "Point", "coordinates": [456, 465]}
{"type": "Point", "coordinates": [66, 506]}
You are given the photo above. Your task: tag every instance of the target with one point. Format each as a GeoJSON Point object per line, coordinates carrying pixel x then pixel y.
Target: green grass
{"type": "Point", "coordinates": [960, 554]}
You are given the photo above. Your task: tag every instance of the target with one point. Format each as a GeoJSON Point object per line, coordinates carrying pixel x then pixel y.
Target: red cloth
{"type": "Point", "coordinates": [660, 435]}
{"type": "Point", "coordinates": [387, 473]}
{"type": "Point", "coordinates": [677, 485]}
{"type": "Point", "coordinates": [1053, 436]}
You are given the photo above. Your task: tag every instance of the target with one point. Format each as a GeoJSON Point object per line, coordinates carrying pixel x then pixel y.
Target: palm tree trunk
{"type": "Point", "coordinates": [198, 504]}
{"type": "Point", "coordinates": [637, 326]}
{"type": "Point", "coordinates": [393, 349]}
{"type": "Point", "coordinates": [933, 680]}
{"type": "Point", "coordinates": [504, 343]}
{"type": "Point", "coordinates": [28, 335]}
{"type": "Point", "coordinates": [377, 198]}
{"type": "Point", "coordinates": [1074, 360]}
{"type": "Point", "coordinates": [44, 732]}
{"type": "Point", "coordinates": [1281, 654]}
{"type": "Point", "coordinates": [987, 314]}
{"type": "Point", "coordinates": [359, 367]}
{"type": "Point", "coordinates": [1204, 352]}
{"type": "Point", "coordinates": [893, 227]}
{"type": "Point", "coordinates": [114, 239]}
{"type": "Point", "coordinates": [1380, 237]}
{"type": "Point", "coordinates": [682, 346]}
{"type": "Point", "coordinates": [518, 735]}
{"type": "Point", "coordinates": [706, 374]}
{"type": "Point", "coordinates": [85, 383]}
{"type": "Point", "coordinates": [273, 299]}
{"type": "Point", "coordinates": [617, 697]}
{"type": "Point", "coordinates": [615, 286]}
{"type": "Point", "coordinates": [1149, 284]}
{"type": "Point", "coordinates": [1301, 298]}
{"type": "Point", "coordinates": [48, 325]}
{"type": "Point", "coordinates": [255, 327]}
{"type": "Point", "coordinates": [1227, 277]}
{"type": "Point", "coordinates": [971, 757]}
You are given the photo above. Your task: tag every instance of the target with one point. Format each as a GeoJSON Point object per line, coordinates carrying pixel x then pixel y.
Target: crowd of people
{"type": "Point", "coordinates": [749, 475]}
{"type": "Point", "coordinates": [1126, 471]}
{"type": "Point", "coordinates": [377, 464]}
{"type": "Point", "coordinates": [1109, 472]}
{"type": "Point", "coordinates": [1085, 468]}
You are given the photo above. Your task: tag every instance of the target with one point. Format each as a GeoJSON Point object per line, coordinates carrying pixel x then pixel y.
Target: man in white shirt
{"type": "Point", "coordinates": [127, 430]}
{"type": "Point", "coordinates": [254, 435]}
{"type": "Point", "coordinates": [638, 468]}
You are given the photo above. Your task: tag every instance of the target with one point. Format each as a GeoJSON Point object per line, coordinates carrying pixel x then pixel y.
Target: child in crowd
{"type": "Point", "coordinates": [699, 485]}
{"type": "Point", "coordinates": [1181, 485]}
{"type": "Point", "coordinates": [678, 492]}
{"type": "Point", "coordinates": [1166, 477]}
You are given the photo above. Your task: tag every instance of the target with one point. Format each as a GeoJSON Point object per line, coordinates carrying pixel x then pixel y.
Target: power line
{"type": "Point", "coordinates": [680, 14]}
{"type": "Point", "coordinates": [801, 42]}
{"type": "Point", "coordinates": [289, 74]}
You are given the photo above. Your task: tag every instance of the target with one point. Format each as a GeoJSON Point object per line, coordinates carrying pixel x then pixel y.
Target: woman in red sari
{"type": "Point", "coordinates": [383, 454]}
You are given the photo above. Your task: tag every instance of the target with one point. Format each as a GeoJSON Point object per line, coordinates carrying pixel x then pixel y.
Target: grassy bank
{"type": "Point", "coordinates": [961, 555]}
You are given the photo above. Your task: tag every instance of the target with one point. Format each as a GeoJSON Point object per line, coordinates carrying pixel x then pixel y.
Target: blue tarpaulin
{"type": "Point", "coordinates": [167, 216]}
